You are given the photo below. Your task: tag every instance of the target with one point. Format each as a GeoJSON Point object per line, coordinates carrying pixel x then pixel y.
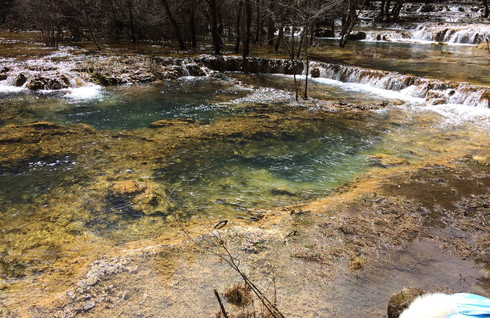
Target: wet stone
{"type": "Point", "coordinates": [20, 80]}
{"type": "Point", "coordinates": [88, 305]}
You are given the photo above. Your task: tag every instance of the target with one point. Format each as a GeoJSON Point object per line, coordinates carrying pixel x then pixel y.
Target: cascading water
{"type": "Point", "coordinates": [433, 91]}
{"type": "Point", "coordinates": [428, 32]}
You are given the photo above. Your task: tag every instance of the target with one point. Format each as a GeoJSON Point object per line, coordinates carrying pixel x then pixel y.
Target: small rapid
{"type": "Point", "coordinates": [431, 90]}
{"type": "Point", "coordinates": [452, 34]}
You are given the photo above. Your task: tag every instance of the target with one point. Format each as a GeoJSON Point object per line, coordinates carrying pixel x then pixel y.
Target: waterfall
{"type": "Point", "coordinates": [185, 70]}
{"type": "Point", "coordinates": [451, 34]}
{"type": "Point", "coordinates": [433, 91]}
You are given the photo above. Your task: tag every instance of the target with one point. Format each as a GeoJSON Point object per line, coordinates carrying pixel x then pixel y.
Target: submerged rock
{"type": "Point", "coordinates": [386, 161]}
{"type": "Point", "coordinates": [128, 188]}
{"type": "Point", "coordinates": [138, 197]}
{"type": "Point", "coordinates": [172, 122]}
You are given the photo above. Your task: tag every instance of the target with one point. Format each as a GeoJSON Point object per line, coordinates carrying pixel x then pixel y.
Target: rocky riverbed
{"type": "Point", "coordinates": [103, 222]}
{"type": "Point", "coordinates": [438, 206]}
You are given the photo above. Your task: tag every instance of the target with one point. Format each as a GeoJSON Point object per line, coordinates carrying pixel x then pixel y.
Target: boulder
{"type": "Point", "coordinates": [20, 80]}
{"type": "Point", "coordinates": [357, 36]}
{"type": "Point", "coordinates": [436, 101]}
{"type": "Point", "coordinates": [4, 73]}
{"type": "Point", "coordinates": [315, 72]}
{"type": "Point", "coordinates": [434, 97]}
{"type": "Point", "coordinates": [195, 70]}
{"type": "Point", "coordinates": [40, 82]}
{"type": "Point", "coordinates": [324, 33]}
{"type": "Point", "coordinates": [427, 8]}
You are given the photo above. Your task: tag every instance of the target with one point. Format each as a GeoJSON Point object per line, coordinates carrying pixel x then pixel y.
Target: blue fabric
{"type": "Point", "coordinates": [471, 305]}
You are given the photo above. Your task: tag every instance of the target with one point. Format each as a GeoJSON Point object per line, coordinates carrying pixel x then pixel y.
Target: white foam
{"type": "Point", "coordinates": [457, 114]}
{"type": "Point", "coordinates": [85, 92]}
{"type": "Point", "coordinates": [368, 89]}
{"type": "Point", "coordinates": [6, 89]}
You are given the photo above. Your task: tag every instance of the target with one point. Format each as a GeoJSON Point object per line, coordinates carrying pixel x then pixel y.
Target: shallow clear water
{"type": "Point", "coordinates": [126, 107]}
{"type": "Point", "coordinates": [254, 149]}
{"type": "Point", "coordinates": [289, 160]}
{"type": "Point", "coordinates": [269, 170]}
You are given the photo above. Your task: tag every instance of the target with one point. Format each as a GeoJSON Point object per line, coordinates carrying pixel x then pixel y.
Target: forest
{"type": "Point", "coordinates": [189, 23]}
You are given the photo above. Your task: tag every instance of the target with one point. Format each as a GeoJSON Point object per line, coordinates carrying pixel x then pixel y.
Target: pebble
{"type": "Point", "coordinates": [89, 305]}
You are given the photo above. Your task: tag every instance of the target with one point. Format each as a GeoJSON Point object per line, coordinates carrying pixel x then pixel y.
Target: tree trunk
{"type": "Point", "coordinates": [305, 95]}
{"type": "Point", "coordinates": [271, 28]}
{"type": "Point", "coordinates": [220, 24]}
{"type": "Point", "coordinates": [131, 20]}
{"type": "Point", "coordinates": [192, 25]}
{"type": "Point", "coordinates": [248, 29]}
{"type": "Point", "coordinates": [115, 22]}
{"type": "Point", "coordinates": [387, 10]}
{"type": "Point", "coordinates": [293, 42]}
{"type": "Point", "coordinates": [238, 26]}
{"type": "Point", "coordinates": [175, 26]}
{"type": "Point", "coordinates": [89, 24]}
{"type": "Point", "coordinates": [382, 13]}
{"type": "Point", "coordinates": [214, 26]}
{"type": "Point", "coordinates": [397, 8]}
{"type": "Point", "coordinates": [279, 38]}
{"type": "Point", "coordinates": [349, 20]}
{"type": "Point", "coordinates": [300, 45]}
{"type": "Point", "coordinates": [257, 23]}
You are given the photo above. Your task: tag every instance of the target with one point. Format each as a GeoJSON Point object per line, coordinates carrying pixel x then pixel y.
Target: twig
{"type": "Point", "coordinates": [224, 254]}
{"type": "Point", "coordinates": [223, 311]}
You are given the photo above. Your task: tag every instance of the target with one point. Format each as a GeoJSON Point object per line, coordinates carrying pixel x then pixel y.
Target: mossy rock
{"type": "Point", "coordinates": [401, 300]}
{"type": "Point", "coordinates": [101, 79]}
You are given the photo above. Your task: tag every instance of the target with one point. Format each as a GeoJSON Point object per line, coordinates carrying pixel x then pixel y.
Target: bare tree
{"type": "Point", "coordinates": [350, 14]}
{"type": "Point", "coordinates": [301, 17]}
{"type": "Point", "coordinates": [213, 9]}
{"type": "Point", "coordinates": [248, 29]}
{"type": "Point", "coordinates": [175, 25]}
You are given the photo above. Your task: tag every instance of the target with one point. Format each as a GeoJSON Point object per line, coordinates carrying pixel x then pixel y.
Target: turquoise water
{"type": "Point", "coordinates": [298, 156]}
{"type": "Point", "coordinates": [269, 171]}
{"type": "Point", "coordinates": [127, 107]}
